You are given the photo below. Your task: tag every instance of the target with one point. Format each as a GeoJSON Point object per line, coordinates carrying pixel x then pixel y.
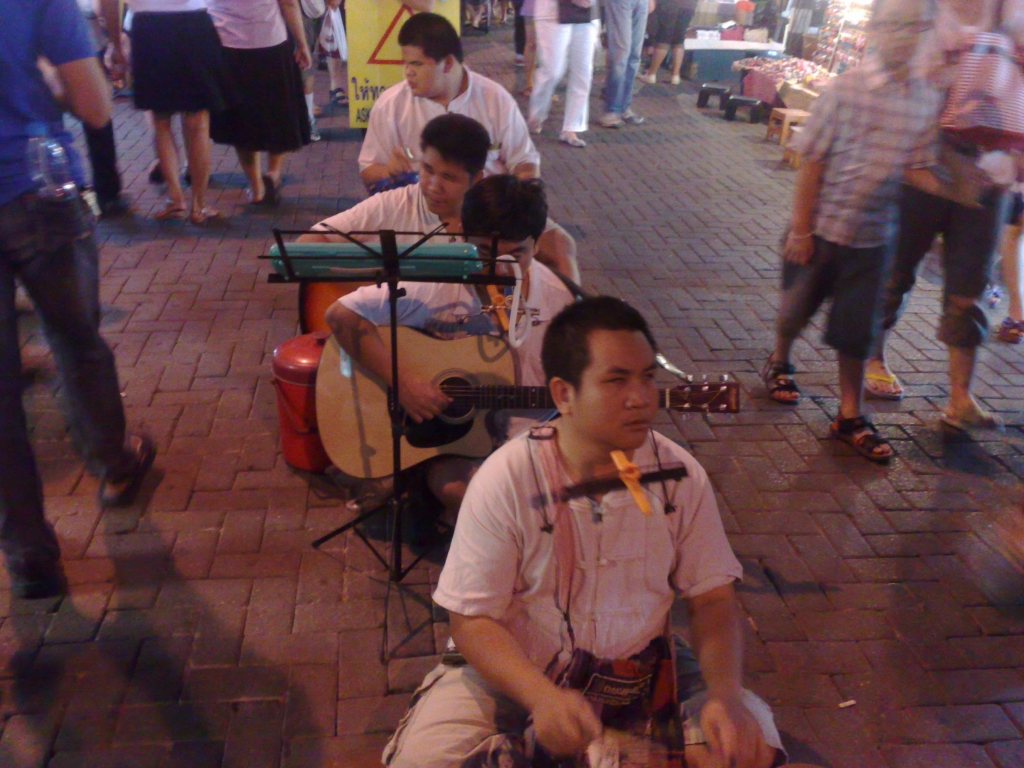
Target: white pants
{"type": "Point", "coordinates": [561, 47]}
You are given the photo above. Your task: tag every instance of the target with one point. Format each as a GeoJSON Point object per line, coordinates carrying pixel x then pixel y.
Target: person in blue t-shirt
{"type": "Point", "coordinates": [47, 244]}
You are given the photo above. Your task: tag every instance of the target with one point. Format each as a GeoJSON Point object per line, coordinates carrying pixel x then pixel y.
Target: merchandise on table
{"type": "Point", "coordinates": [766, 77]}
{"type": "Point", "coordinates": [784, 69]}
{"type": "Point", "coordinates": [842, 38]}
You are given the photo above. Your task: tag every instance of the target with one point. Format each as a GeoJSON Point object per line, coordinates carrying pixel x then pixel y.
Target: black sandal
{"type": "Point", "coordinates": [271, 194]}
{"type": "Point", "coordinates": [861, 435]}
{"type": "Point", "coordinates": [122, 491]}
{"type": "Point", "coordinates": [776, 378]}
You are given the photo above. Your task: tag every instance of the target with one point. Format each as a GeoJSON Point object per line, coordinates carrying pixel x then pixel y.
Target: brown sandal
{"type": "Point", "coordinates": [861, 435]}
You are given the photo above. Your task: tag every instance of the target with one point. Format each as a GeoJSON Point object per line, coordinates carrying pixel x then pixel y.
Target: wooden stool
{"type": "Point", "coordinates": [790, 155]}
{"type": "Point", "coordinates": [737, 102]}
{"type": "Point", "coordinates": [707, 90]}
{"type": "Point", "coordinates": [780, 120]}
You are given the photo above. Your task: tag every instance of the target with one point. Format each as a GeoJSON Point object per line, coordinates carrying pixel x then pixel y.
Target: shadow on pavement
{"type": "Point", "coordinates": [146, 667]}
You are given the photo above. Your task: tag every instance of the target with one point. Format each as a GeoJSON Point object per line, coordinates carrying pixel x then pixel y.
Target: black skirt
{"type": "Point", "coordinates": [268, 110]}
{"type": "Point", "coordinates": [176, 63]}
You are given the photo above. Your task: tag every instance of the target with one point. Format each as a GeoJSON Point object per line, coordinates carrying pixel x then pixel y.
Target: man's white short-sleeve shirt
{"type": "Point", "coordinates": [629, 565]}
{"type": "Point", "coordinates": [398, 117]}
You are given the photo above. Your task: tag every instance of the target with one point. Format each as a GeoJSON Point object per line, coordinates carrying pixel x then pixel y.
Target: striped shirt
{"type": "Point", "coordinates": [866, 128]}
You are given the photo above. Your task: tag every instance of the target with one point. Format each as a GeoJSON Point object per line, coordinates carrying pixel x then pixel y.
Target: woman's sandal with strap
{"type": "Point", "coordinates": [861, 435]}
{"type": "Point", "coordinates": [777, 380]}
{"type": "Point", "coordinates": [172, 211]}
{"type": "Point", "coordinates": [1010, 331]}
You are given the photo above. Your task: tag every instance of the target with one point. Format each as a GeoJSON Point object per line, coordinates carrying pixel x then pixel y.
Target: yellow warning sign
{"type": "Point", "coordinates": [374, 57]}
{"type": "Point", "coordinates": [389, 40]}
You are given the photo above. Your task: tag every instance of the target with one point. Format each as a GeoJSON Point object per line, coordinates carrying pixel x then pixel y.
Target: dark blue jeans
{"type": "Point", "coordinates": [49, 248]}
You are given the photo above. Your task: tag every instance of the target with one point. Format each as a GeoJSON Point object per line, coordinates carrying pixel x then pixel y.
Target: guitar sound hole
{"type": "Point", "coordinates": [459, 407]}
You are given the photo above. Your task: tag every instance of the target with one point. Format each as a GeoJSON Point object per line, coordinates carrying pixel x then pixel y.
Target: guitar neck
{"type": "Point", "coordinates": [501, 397]}
{"type": "Point", "coordinates": [697, 397]}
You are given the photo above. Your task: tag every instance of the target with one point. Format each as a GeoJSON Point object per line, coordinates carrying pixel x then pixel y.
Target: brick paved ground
{"type": "Point", "coordinates": [202, 629]}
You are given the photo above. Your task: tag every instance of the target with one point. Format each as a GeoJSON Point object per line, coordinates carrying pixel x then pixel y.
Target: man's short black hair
{"type": "Point", "coordinates": [433, 34]}
{"type": "Point", "coordinates": [458, 139]}
{"type": "Point", "coordinates": [566, 349]}
{"type": "Point", "coordinates": [513, 208]}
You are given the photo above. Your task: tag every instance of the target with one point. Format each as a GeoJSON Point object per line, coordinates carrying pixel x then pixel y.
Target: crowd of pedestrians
{"type": "Point", "coordinates": [870, 203]}
{"type": "Point", "coordinates": [238, 72]}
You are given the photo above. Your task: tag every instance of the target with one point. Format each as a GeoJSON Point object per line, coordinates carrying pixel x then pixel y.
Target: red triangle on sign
{"type": "Point", "coordinates": [387, 33]}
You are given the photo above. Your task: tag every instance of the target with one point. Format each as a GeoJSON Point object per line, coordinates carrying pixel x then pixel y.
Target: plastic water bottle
{"type": "Point", "coordinates": [49, 165]}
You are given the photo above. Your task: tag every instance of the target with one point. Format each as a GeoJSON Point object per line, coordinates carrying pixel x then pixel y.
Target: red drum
{"type": "Point", "coordinates": [295, 363]}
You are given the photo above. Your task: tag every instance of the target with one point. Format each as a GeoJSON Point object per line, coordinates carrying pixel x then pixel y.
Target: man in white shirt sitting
{"type": "Point", "coordinates": [538, 584]}
{"type": "Point", "coordinates": [517, 211]}
{"type": "Point", "coordinates": [453, 150]}
{"type": "Point", "coordinates": [436, 82]}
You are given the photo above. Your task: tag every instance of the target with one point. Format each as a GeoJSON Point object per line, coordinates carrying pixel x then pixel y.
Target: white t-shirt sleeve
{"type": "Point", "coordinates": [479, 575]}
{"type": "Point", "coordinates": [415, 309]}
{"type": "Point", "coordinates": [381, 132]}
{"type": "Point", "coordinates": [704, 560]}
{"type": "Point", "coordinates": [366, 216]}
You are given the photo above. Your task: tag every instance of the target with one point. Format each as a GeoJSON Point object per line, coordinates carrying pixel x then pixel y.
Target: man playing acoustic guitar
{"type": "Point", "coordinates": [559, 599]}
{"type": "Point", "coordinates": [515, 210]}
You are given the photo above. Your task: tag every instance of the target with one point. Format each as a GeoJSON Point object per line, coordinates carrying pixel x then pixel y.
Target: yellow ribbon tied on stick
{"type": "Point", "coordinates": [498, 301]}
{"type": "Point", "coordinates": [629, 473]}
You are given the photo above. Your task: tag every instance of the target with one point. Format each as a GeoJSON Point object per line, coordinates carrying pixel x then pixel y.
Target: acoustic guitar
{"type": "Point", "coordinates": [477, 372]}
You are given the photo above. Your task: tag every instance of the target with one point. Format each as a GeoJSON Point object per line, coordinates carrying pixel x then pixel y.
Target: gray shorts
{"type": "Point", "coordinates": [312, 29]}
{"type": "Point", "coordinates": [455, 720]}
{"type": "Point", "coordinates": [853, 278]}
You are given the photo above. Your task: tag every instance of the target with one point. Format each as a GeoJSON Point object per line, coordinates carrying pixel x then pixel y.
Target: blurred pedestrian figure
{"type": "Point", "coordinates": [47, 244]}
{"type": "Point", "coordinates": [265, 49]}
{"type": "Point", "coordinates": [334, 42]}
{"type": "Point", "coordinates": [566, 35]}
{"type": "Point", "coordinates": [106, 179]}
{"type": "Point", "coordinates": [526, 57]}
{"type": "Point", "coordinates": [1012, 328]}
{"type": "Point", "coordinates": [962, 193]}
{"type": "Point", "coordinates": [176, 67]}
{"type": "Point", "coordinates": [312, 18]}
{"type": "Point", "coordinates": [625, 22]}
{"type": "Point", "coordinates": [845, 206]}
{"type": "Point", "coordinates": [668, 26]}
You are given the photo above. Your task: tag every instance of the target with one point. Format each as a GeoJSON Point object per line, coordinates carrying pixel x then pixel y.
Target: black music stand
{"type": "Point", "coordinates": [389, 272]}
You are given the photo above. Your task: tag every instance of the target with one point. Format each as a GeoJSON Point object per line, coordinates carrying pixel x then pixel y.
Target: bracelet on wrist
{"type": "Point", "coordinates": [808, 236]}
